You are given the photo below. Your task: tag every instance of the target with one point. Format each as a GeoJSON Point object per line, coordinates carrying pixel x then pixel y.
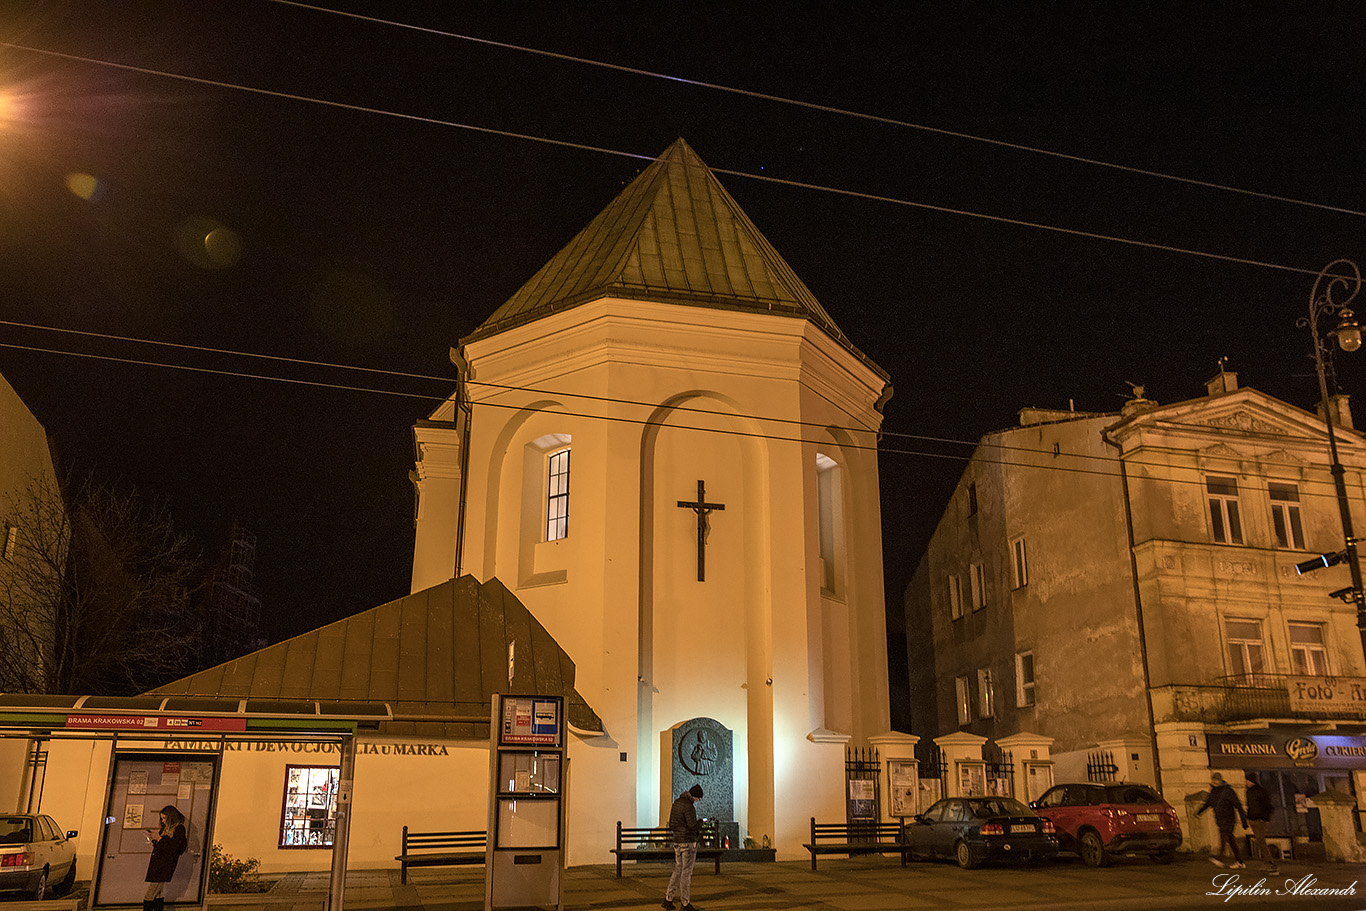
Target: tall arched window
{"type": "Point", "coordinates": [831, 520]}
{"type": "Point", "coordinates": [557, 496]}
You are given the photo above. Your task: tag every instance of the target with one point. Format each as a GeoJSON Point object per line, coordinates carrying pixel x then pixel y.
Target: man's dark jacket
{"type": "Point", "coordinates": [1227, 808]}
{"type": "Point", "coordinates": [683, 824]}
{"type": "Point", "coordinates": [1258, 802]}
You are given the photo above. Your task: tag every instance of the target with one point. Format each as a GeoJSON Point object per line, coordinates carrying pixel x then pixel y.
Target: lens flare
{"type": "Point", "coordinates": [208, 243]}
{"type": "Point", "coordinates": [85, 186]}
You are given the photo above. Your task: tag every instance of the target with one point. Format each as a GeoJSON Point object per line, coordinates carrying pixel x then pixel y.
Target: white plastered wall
{"type": "Point", "coordinates": [621, 592]}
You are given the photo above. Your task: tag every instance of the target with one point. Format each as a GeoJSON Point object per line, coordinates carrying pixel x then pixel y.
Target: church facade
{"type": "Point", "coordinates": [654, 494]}
{"type": "Point", "coordinates": [666, 449]}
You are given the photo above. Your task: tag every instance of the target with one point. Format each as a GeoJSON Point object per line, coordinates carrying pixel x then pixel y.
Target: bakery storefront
{"type": "Point", "coordinates": [1295, 766]}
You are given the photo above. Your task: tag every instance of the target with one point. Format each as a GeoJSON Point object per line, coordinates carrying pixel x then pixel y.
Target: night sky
{"type": "Point", "coordinates": [349, 236]}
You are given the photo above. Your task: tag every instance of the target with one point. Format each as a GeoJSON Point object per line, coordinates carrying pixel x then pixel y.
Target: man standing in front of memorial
{"type": "Point", "coordinates": [685, 830]}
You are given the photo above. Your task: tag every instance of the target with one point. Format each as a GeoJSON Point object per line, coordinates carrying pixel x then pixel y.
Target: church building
{"type": "Point", "coordinates": [654, 494]}
{"type": "Point", "coordinates": [666, 449]}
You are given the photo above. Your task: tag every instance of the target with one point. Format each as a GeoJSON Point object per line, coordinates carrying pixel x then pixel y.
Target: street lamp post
{"type": "Point", "coordinates": [1335, 287]}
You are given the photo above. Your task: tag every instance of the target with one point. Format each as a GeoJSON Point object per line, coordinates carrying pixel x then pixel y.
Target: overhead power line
{"type": "Point", "coordinates": [824, 108]}
{"type": "Point", "coordinates": [612, 400]}
{"type": "Point", "coordinates": [856, 194]}
{"type": "Point", "coordinates": [1108, 466]}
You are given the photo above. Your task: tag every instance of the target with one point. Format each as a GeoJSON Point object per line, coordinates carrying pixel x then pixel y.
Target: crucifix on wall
{"type": "Point", "coordinates": [703, 509]}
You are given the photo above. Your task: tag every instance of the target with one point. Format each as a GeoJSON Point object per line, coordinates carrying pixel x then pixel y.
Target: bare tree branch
{"type": "Point", "coordinates": [98, 594]}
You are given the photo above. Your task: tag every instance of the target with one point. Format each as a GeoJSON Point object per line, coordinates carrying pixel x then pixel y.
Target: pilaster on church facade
{"type": "Point", "coordinates": [437, 477]}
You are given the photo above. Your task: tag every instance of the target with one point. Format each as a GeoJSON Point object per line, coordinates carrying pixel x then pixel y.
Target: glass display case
{"type": "Point", "coordinates": [529, 773]}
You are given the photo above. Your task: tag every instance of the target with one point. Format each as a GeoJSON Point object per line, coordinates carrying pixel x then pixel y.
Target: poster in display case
{"type": "Point", "coordinates": [531, 720]}
{"type": "Point", "coordinates": [903, 779]}
{"type": "Point", "coordinates": [530, 772]}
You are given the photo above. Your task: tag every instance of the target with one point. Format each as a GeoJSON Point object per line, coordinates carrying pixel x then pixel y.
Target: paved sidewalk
{"type": "Point", "coordinates": [857, 884]}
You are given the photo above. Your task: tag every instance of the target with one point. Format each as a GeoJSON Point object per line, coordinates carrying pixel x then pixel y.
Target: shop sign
{"type": "Point", "coordinates": [363, 747]}
{"type": "Point", "coordinates": [1271, 751]}
{"type": "Point", "coordinates": [1316, 695]}
{"type": "Point", "coordinates": [1244, 751]}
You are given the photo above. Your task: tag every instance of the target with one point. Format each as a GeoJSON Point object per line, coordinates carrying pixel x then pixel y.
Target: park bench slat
{"type": "Point", "coordinates": [853, 838]}
{"type": "Point", "coordinates": [423, 849]}
{"type": "Point", "coordinates": [656, 843]}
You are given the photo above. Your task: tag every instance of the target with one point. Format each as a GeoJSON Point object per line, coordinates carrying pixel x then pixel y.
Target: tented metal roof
{"type": "Point", "coordinates": [431, 660]}
{"type": "Point", "coordinates": [674, 235]}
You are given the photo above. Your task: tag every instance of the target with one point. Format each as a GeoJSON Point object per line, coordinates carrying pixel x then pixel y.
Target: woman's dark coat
{"type": "Point", "coordinates": [166, 850]}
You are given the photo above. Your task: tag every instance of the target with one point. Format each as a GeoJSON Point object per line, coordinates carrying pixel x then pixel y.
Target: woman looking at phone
{"type": "Point", "coordinates": [168, 843]}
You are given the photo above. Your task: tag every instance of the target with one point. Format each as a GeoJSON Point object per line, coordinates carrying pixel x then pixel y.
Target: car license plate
{"type": "Point", "coordinates": [1021, 830]}
{"type": "Point", "coordinates": [1146, 817]}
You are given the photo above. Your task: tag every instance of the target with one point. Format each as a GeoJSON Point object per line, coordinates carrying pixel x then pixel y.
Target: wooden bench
{"type": "Point", "coordinates": [853, 838]}
{"type": "Point", "coordinates": [440, 849]}
{"type": "Point", "coordinates": [636, 843]}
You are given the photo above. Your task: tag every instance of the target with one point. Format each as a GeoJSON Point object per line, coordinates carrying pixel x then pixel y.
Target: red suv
{"type": "Point", "coordinates": [1101, 820]}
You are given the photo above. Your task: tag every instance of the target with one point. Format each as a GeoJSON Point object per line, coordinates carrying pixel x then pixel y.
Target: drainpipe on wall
{"type": "Point", "coordinates": [463, 406]}
{"type": "Point", "coordinates": [1138, 605]}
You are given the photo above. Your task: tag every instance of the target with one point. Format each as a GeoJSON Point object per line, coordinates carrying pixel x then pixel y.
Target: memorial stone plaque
{"type": "Point", "coordinates": [703, 754]}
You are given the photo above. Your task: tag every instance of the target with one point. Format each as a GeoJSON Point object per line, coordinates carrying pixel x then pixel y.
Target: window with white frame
{"type": "Point", "coordinates": [1246, 651]}
{"type": "Point", "coordinates": [1024, 679]}
{"type": "Point", "coordinates": [1225, 523]}
{"type": "Point", "coordinates": [986, 695]}
{"type": "Point", "coordinates": [1019, 563]}
{"type": "Point", "coordinates": [557, 496]}
{"type": "Point", "coordinates": [1285, 514]}
{"type": "Point", "coordinates": [1307, 653]}
{"type": "Point", "coordinates": [963, 693]}
{"type": "Point", "coordinates": [977, 584]}
{"type": "Point", "coordinates": [955, 597]}
{"type": "Point", "coordinates": [310, 811]}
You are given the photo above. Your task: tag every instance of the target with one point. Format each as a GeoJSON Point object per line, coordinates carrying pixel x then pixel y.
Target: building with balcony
{"type": "Point", "coordinates": [1124, 587]}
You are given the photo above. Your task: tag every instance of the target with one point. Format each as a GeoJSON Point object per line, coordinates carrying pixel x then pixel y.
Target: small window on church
{"type": "Point", "coordinates": [309, 818]}
{"type": "Point", "coordinates": [557, 496]}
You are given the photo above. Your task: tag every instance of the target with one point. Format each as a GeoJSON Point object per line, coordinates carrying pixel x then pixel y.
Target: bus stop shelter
{"type": "Point", "coordinates": [428, 664]}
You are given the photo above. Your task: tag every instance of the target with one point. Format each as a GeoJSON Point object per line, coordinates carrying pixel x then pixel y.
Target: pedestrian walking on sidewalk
{"type": "Point", "coordinates": [686, 831]}
{"type": "Point", "coordinates": [1259, 807]}
{"type": "Point", "coordinates": [1228, 810]}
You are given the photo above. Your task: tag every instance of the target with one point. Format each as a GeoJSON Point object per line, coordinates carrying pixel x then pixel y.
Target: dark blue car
{"type": "Point", "coordinates": [973, 830]}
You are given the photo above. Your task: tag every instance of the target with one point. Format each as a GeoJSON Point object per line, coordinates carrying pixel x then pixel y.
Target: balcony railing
{"type": "Point", "coordinates": [1246, 698]}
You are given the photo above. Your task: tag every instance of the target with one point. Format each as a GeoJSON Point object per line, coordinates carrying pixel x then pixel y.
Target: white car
{"type": "Point", "coordinates": [35, 854]}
